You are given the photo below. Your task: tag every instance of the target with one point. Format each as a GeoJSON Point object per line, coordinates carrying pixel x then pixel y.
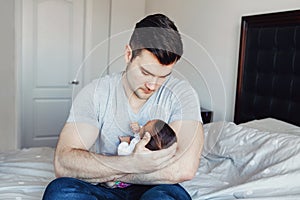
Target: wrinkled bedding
{"type": "Point", "coordinates": [24, 174]}
{"type": "Point", "coordinates": [244, 163]}
{"type": "Point", "coordinates": [238, 162]}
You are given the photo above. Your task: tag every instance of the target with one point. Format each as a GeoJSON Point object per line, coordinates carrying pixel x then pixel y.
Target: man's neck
{"type": "Point", "coordinates": [135, 103]}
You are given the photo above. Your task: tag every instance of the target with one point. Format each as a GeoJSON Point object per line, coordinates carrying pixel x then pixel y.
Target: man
{"type": "Point", "coordinates": [103, 110]}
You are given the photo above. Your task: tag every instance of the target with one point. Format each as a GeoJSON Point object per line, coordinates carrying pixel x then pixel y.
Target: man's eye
{"type": "Point", "coordinates": [145, 73]}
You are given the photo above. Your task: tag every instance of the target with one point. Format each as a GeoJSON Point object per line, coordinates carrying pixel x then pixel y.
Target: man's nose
{"type": "Point", "coordinates": [151, 84]}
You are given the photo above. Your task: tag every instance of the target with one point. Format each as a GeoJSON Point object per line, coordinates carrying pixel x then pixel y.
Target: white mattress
{"type": "Point", "coordinates": [237, 162]}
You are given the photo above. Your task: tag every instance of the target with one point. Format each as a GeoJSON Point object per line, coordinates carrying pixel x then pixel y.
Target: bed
{"type": "Point", "coordinates": [255, 157]}
{"type": "Point", "coordinates": [25, 173]}
{"type": "Point", "coordinates": [252, 160]}
{"type": "Point", "coordinates": [244, 162]}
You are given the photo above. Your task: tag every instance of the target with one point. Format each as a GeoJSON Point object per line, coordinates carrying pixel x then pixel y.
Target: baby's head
{"type": "Point", "coordinates": [162, 135]}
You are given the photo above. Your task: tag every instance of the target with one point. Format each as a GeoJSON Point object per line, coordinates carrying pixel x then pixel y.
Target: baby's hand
{"type": "Point", "coordinates": [135, 127]}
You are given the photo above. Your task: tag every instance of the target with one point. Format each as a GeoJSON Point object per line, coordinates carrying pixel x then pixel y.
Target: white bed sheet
{"type": "Point", "coordinates": [238, 162]}
{"type": "Point", "coordinates": [25, 173]}
{"type": "Point", "coordinates": [245, 163]}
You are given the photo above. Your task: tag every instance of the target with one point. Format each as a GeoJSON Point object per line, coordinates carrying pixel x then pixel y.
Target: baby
{"type": "Point", "coordinates": [162, 136]}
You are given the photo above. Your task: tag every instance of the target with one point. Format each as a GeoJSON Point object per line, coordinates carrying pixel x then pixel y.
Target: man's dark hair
{"type": "Point", "coordinates": [159, 35]}
{"type": "Point", "coordinates": [162, 136]}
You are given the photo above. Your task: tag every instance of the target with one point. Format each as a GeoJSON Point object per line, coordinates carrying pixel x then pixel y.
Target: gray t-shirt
{"type": "Point", "coordinates": [103, 104]}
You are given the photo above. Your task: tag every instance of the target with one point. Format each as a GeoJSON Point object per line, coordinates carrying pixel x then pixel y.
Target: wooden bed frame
{"type": "Point", "coordinates": [268, 82]}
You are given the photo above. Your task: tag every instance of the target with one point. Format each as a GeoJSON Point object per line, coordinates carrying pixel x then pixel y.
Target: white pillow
{"type": "Point", "coordinates": [273, 125]}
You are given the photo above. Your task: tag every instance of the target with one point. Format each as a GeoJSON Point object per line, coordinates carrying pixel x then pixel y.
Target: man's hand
{"type": "Point", "coordinates": [145, 160]}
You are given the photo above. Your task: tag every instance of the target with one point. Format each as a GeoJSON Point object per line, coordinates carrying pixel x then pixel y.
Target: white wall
{"type": "Point", "coordinates": [8, 139]}
{"type": "Point", "coordinates": [97, 34]}
{"type": "Point", "coordinates": [125, 14]}
{"type": "Point", "coordinates": [215, 27]}
{"type": "Point", "coordinates": [111, 23]}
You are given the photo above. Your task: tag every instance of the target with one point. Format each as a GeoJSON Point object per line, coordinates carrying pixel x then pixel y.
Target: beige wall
{"type": "Point", "coordinates": [215, 27]}
{"type": "Point", "coordinates": [124, 16]}
{"type": "Point", "coordinates": [8, 139]}
{"type": "Point", "coordinates": [110, 22]}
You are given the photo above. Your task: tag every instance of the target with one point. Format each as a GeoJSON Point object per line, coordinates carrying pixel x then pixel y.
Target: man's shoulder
{"type": "Point", "coordinates": [106, 82]}
{"type": "Point", "coordinates": [176, 85]}
{"type": "Point", "coordinates": [101, 88]}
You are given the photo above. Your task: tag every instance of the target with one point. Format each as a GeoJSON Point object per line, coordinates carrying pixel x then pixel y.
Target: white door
{"type": "Point", "coordinates": [52, 52]}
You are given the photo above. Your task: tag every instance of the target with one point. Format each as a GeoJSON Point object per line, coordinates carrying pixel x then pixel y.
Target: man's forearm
{"type": "Point", "coordinates": [85, 165]}
{"type": "Point", "coordinates": [72, 158]}
{"type": "Point", "coordinates": [177, 172]}
{"type": "Point", "coordinates": [158, 177]}
{"type": "Point", "coordinates": [82, 164]}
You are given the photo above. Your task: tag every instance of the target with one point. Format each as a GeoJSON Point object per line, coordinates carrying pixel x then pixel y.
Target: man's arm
{"type": "Point", "coordinates": [72, 158]}
{"type": "Point", "coordinates": [190, 143]}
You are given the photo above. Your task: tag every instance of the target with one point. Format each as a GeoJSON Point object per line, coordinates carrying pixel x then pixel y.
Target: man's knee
{"type": "Point", "coordinates": [59, 187]}
{"type": "Point", "coordinates": [166, 192]}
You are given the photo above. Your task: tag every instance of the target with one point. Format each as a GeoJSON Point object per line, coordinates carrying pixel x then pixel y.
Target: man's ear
{"type": "Point", "coordinates": [128, 54]}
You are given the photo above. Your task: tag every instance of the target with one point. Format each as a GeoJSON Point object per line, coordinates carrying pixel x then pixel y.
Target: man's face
{"type": "Point", "coordinates": [145, 75]}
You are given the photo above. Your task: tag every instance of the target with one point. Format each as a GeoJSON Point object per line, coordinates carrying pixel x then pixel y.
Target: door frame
{"type": "Point", "coordinates": [18, 69]}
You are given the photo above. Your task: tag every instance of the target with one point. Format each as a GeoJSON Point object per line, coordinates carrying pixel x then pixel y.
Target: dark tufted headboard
{"type": "Point", "coordinates": [268, 82]}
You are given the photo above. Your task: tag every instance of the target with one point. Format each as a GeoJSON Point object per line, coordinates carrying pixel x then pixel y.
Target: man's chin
{"type": "Point", "coordinates": [144, 95]}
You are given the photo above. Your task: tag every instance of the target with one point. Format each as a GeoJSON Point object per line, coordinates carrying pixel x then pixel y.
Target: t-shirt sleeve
{"type": "Point", "coordinates": [83, 107]}
{"type": "Point", "coordinates": [187, 105]}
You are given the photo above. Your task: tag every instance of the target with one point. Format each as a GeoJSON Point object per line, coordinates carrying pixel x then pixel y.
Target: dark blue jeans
{"type": "Point", "coordinates": [71, 188]}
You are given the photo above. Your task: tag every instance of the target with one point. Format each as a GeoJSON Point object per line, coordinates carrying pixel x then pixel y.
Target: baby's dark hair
{"type": "Point", "coordinates": [162, 136]}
